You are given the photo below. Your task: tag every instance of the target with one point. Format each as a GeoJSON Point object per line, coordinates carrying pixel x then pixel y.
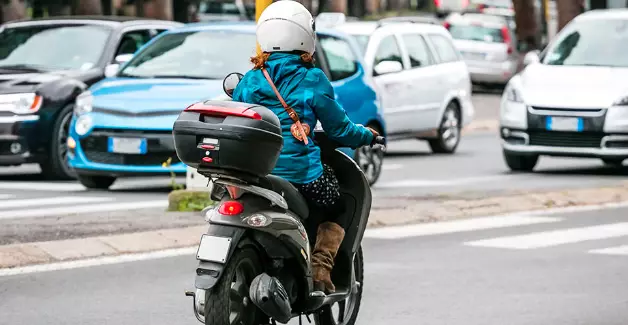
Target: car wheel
{"type": "Point", "coordinates": [370, 160]}
{"type": "Point", "coordinates": [520, 163]}
{"type": "Point", "coordinates": [96, 182]}
{"type": "Point", "coordinates": [448, 131]}
{"type": "Point", "coordinates": [613, 162]}
{"type": "Point", "coordinates": [58, 167]}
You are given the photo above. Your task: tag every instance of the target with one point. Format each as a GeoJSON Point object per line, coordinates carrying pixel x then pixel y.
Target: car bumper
{"type": "Point", "coordinates": [489, 72]}
{"type": "Point", "coordinates": [92, 156]}
{"type": "Point", "coordinates": [603, 132]}
{"type": "Point", "coordinates": [16, 135]}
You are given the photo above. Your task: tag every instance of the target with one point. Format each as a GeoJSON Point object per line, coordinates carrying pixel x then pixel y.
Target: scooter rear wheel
{"type": "Point", "coordinates": [228, 302]}
{"type": "Point", "coordinates": [345, 312]}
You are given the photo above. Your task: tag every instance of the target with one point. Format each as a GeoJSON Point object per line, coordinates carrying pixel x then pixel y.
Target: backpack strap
{"type": "Point", "coordinates": [297, 128]}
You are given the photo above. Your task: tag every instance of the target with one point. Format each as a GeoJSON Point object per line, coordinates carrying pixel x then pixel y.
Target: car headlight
{"type": "Point", "coordinates": [83, 103]}
{"type": "Point", "coordinates": [83, 125]}
{"type": "Point", "coordinates": [621, 102]}
{"type": "Point", "coordinates": [24, 103]}
{"type": "Point", "coordinates": [513, 95]}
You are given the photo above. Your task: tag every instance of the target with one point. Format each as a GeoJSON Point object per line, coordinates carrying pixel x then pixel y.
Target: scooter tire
{"type": "Point", "coordinates": [218, 302]}
{"type": "Point", "coordinates": [325, 316]}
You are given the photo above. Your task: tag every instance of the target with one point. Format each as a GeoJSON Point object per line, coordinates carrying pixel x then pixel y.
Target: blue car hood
{"type": "Point", "coordinates": [147, 103]}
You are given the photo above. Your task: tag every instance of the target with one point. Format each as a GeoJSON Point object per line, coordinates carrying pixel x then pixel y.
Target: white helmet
{"type": "Point", "coordinates": [286, 26]}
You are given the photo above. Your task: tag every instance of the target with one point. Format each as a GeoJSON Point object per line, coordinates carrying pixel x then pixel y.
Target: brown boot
{"type": "Point", "coordinates": [328, 239]}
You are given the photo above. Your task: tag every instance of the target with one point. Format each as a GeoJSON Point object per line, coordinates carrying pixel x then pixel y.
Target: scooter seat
{"type": "Point", "coordinates": [296, 201]}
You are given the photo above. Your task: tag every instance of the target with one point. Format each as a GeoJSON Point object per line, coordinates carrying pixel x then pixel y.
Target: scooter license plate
{"type": "Point", "coordinates": [213, 249]}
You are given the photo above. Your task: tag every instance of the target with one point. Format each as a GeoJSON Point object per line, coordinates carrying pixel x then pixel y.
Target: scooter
{"type": "Point", "coordinates": [255, 258]}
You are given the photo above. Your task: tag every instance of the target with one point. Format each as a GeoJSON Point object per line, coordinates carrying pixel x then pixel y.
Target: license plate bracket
{"type": "Point", "coordinates": [213, 249]}
{"type": "Point", "coordinates": [127, 145]}
{"type": "Point", "coordinates": [558, 123]}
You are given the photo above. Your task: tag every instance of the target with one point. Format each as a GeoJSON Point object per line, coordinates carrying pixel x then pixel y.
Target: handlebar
{"type": "Point", "coordinates": [379, 143]}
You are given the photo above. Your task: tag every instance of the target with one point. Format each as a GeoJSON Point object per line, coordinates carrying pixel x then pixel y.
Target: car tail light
{"type": "Point", "coordinates": [481, 7]}
{"type": "Point", "coordinates": [465, 3]}
{"type": "Point", "coordinates": [231, 208]}
{"type": "Point", "coordinates": [447, 25]}
{"type": "Point", "coordinates": [437, 3]}
{"type": "Point", "coordinates": [224, 111]}
{"type": "Point", "coordinates": [506, 37]}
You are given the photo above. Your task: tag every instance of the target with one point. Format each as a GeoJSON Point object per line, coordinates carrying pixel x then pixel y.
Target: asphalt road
{"type": "Point", "coordinates": [568, 269]}
{"type": "Point", "coordinates": [33, 210]}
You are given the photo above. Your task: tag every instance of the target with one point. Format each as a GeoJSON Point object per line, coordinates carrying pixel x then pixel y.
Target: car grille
{"type": "Point", "coordinates": [566, 139]}
{"type": "Point", "coordinates": [160, 148]}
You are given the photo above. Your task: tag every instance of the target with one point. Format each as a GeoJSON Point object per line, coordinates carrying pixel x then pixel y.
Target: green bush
{"type": "Point", "coordinates": [188, 201]}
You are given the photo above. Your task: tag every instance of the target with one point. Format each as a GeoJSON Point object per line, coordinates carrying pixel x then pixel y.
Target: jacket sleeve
{"type": "Point", "coordinates": [332, 116]}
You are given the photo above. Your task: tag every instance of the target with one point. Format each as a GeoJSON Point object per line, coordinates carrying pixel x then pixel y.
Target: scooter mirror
{"type": "Point", "coordinates": [230, 83]}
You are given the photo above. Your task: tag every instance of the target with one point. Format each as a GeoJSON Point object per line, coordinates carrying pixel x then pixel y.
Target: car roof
{"type": "Point", "coordinates": [112, 21]}
{"type": "Point", "coordinates": [247, 27]}
{"type": "Point", "coordinates": [370, 27]}
{"type": "Point", "coordinates": [601, 14]}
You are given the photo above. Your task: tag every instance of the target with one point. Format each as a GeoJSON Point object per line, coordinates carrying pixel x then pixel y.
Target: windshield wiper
{"type": "Point", "coordinates": [23, 67]}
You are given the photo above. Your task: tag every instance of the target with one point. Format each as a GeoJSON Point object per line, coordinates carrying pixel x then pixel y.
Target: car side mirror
{"type": "Point", "coordinates": [386, 67]}
{"type": "Point", "coordinates": [113, 68]}
{"type": "Point", "coordinates": [230, 83]}
{"type": "Point", "coordinates": [531, 58]}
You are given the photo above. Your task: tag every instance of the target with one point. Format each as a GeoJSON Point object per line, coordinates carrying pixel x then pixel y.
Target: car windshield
{"type": "Point", "coordinates": [53, 47]}
{"type": "Point", "coordinates": [591, 43]}
{"type": "Point", "coordinates": [476, 33]}
{"type": "Point", "coordinates": [198, 54]}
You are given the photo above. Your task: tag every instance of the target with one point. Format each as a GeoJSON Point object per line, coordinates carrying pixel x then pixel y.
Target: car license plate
{"type": "Point", "coordinates": [127, 145]}
{"type": "Point", "coordinates": [213, 249]}
{"type": "Point", "coordinates": [565, 124]}
{"type": "Point", "coordinates": [474, 55]}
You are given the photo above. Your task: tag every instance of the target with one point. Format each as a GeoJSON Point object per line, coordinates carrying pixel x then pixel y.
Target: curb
{"type": "Point", "coordinates": [413, 211]}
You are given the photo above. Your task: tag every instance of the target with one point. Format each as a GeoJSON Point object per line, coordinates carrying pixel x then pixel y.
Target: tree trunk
{"type": "Point", "coordinates": [12, 10]}
{"type": "Point", "coordinates": [87, 7]}
{"type": "Point", "coordinates": [158, 9]}
{"type": "Point", "coordinates": [526, 22]}
{"type": "Point", "coordinates": [567, 10]}
{"type": "Point", "coordinates": [338, 6]}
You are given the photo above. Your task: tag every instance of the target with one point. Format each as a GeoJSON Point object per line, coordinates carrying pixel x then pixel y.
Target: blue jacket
{"type": "Point", "coordinates": [308, 91]}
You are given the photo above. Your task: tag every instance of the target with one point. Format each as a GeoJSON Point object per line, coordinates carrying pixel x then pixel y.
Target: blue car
{"type": "Point", "coordinates": [122, 126]}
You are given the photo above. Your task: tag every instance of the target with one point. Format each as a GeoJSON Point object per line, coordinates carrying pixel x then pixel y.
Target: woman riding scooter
{"type": "Point", "coordinates": [285, 80]}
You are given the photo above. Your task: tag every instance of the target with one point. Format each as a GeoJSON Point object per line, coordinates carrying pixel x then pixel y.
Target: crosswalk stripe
{"type": "Point", "coordinates": [88, 208]}
{"type": "Point", "coordinates": [51, 201]}
{"type": "Point", "coordinates": [555, 237]}
{"type": "Point", "coordinates": [446, 227]}
{"type": "Point", "coordinates": [42, 186]}
{"type": "Point", "coordinates": [414, 183]}
{"type": "Point", "coordinates": [6, 196]}
{"type": "Point", "coordinates": [619, 250]}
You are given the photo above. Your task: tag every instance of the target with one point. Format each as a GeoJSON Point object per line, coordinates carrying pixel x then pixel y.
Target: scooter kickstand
{"type": "Point", "coordinates": [308, 319]}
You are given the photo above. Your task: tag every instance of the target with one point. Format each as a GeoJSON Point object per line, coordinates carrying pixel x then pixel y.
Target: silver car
{"type": "Point", "coordinates": [487, 44]}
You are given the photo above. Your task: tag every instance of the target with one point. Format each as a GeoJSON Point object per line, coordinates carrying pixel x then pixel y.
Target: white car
{"type": "Point", "coordinates": [420, 77]}
{"type": "Point", "coordinates": [572, 99]}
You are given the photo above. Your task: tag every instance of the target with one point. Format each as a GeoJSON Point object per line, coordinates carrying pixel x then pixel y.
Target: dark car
{"type": "Point", "coordinates": [44, 65]}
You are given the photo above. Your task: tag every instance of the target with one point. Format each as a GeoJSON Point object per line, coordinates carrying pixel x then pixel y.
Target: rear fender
{"type": "Point", "coordinates": [208, 273]}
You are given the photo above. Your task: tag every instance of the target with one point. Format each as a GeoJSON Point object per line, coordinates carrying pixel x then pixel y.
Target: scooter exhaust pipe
{"type": "Point", "coordinates": [269, 295]}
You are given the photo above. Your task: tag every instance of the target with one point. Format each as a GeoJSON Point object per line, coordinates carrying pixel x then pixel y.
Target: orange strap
{"type": "Point", "coordinates": [300, 133]}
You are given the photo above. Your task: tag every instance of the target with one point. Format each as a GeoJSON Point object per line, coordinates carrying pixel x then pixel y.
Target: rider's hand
{"type": "Point", "coordinates": [375, 133]}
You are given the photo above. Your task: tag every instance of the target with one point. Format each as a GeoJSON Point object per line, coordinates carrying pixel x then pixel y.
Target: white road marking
{"type": "Point", "coordinates": [413, 183]}
{"type": "Point", "coordinates": [555, 237]}
{"type": "Point", "coordinates": [386, 166]}
{"type": "Point", "coordinates": [6, 196]}
{"type": "Point", "coordinates": [102, 207]}
{"type": "Point", "coordinates": [98, 261]}
{"type": "Point", "coordinates": [42, 186]}
{"type": "Point", "coordinates": [447, 227]}
{"type": "Point", "coordinates": [51, 201]}
{"type": "Point", "coordinates": [619, 250]}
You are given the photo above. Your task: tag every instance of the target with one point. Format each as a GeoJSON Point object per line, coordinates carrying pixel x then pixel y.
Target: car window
{"type": "Point", "coordinates": [186, 55]}
{"type": "Point", "coordinates": [418, 51]}
{"type": "Point", "coordinates": [476, 33]}
{"type": "Point", "coordinates": [388, 50]}
{"type": "Point", "coordinates": [132, 41]}
{"type": "Point", "coordinates": [63, 46]}
{"type": "Point", "coordinates": [341, 60]}
{"type": "Point", "coordinates": [591, 43]}
{"type": "Point", "coordinates": [444, 48]}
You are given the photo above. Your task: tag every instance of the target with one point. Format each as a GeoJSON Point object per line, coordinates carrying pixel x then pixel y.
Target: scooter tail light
{"type": "Point", "coordinates": [231, 208]}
